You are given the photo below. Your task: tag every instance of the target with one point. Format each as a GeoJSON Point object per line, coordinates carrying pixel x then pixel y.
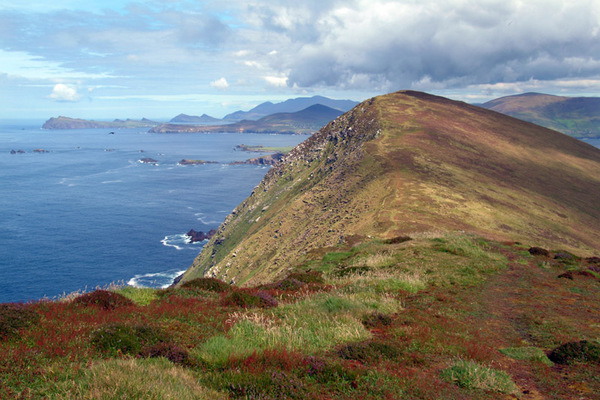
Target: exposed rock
{"type": "Point", "coordinates": [200, 236]}
{"type": "Point", "coordinates": [266, 160]}
{"type": "Point", "coordinates": [148, 160]}
{"type": "Point", "coordinates": [40, 151]}
{"type": "Point", "coordinates": [186, 161]}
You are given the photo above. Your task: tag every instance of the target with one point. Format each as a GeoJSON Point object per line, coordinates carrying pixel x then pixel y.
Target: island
{"type": "Point", "coordinates": [76, 123]}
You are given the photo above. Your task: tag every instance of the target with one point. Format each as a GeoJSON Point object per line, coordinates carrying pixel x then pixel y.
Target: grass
{"type": "Point", "coordinates": [393, 330]}
{"type": "Point", "coordinates": [471, 375]}
{"type": "Point", "coordinates": [527, 353]}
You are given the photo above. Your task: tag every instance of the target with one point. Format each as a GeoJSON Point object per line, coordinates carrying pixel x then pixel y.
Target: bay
{"type": "Point", "coordinates": [85, 212]}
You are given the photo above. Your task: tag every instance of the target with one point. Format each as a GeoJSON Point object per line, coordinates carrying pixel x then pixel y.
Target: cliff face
{"type": "Point", "coordinates": [409, 163]}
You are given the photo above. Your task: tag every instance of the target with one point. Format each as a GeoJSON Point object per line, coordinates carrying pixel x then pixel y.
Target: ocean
{"type": "Point", "coordinates": [83, 212]}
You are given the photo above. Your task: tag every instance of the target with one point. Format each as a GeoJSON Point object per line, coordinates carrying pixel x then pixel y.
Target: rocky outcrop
{"type": "Point", "coordinates": [196, 236]}
{"type": "Point", "coordinates": [186, 161]}
{"type": "Point", "coordinates": [271, 159]}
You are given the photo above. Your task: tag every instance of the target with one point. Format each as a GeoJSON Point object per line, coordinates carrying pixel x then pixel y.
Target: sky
{"type": "Point", "coordinates": [111, 59]}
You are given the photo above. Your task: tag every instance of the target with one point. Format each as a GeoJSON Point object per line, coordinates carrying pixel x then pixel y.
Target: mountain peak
{"type": "Point", "coordinates": [409, 163]}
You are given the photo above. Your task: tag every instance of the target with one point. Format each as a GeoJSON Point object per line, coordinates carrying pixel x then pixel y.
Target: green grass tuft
{"type": "Point", "coordinates": [471, 375]}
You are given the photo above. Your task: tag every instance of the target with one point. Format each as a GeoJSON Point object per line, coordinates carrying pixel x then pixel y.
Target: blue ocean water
{"type": "Point", "coordinates": [87, 213]}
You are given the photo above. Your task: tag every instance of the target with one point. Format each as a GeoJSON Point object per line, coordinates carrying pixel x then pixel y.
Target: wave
{"type": "Point", "coordinates": [155, 280]}
{"type": "Point", "coordinates": [201, 217]}
{"type": "Point", "coordinates": [180, 242]}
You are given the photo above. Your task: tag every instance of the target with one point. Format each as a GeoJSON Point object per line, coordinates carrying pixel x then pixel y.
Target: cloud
{"type": "Point", "coordinates": [276, 81]}
{"type": "Point", "coordinates": [387, 45]}
{"type": "Point", "coordinates": [62, 92]}
{"type": "Point", "coordinates": [220, 84]}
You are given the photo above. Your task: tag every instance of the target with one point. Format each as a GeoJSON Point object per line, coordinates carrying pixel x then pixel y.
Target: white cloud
{"type": "Point", "coordinates": [276, 81]}
{"type": "Point", "coordinates": [62, 92]}
{"type": "Point", "coordinates": [220, 84]}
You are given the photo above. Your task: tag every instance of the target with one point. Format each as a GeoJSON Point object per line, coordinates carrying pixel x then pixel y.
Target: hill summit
{"type": "Point", "coordinates": [410, 163]}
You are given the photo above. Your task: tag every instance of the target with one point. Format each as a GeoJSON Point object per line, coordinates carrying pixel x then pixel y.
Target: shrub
{"type": "Point", "coordinates": [471, 375]}
{"type": "Point", "coordinates": [576, 351]}
{"type": "Point", "coordinates": [103, 299]}
{"type": "Point", "coordinates": [210, 284]}
{"type": "Point", "coordinates": [14, 317]}
{"type": "Point", "coordinates": [538, 251]}
{"type": "Point", "coordinates": [376, 319]}
{"type": "Point", "coordinates": [324, 372]}
{"type": "Point", "coordinates": [367, 351]}
{"type": "Point", "coordinates": [307, 277]}
{"type": "Point", "coordinates": [287, 284]}
{"type": "Point", "coordinates": [170, 351]}
{"type": "Point", "coordinates": [398, 239]}
{"type": "Point", "coordinates": [126, 339]}
{"type": "Point", "coordinates": [247, 299]}
{"type": "Point", "coordinates": [271, 384]}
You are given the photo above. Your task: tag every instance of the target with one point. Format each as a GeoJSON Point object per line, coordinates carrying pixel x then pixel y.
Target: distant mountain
{"type": "Point", "coordinates": [575, 116]}
{"type": "Point", "coordinates": [411, 164]}
{"type": "Point", "coordinates": [76, 123]}
{"type": "Point", "coordinates": [289, 106]}
{"type": "Point", "coordinates": [307, 120]}
{"type": "Point", "coordinates": [193, 119]}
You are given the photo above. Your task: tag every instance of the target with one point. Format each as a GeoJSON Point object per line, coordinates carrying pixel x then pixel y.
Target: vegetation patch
{"type": "Point", "coordinates": [103, 299]}
{"type": "Point", "coordinates": [14, 317]}
{"type": "Point", "coordinates": [248, 299]}
{"type": "Point", "coordinates": [144, 379]}
{"type": "Point", "coordinates": [526, 353]}
{"type": "Point", "coordinates": [170, 351]}
{"type": "Point", "coordinates": [367, 351]}
{"type": "Point", "coordinates": [210, 284]}
{"type": "Point", "coordinates": [376, 319]}
{"type": "Point", "coordinates": [471, 375]}
{"type": "Point", "coordinates": [126, 339]}
{"type": "Point", "coordinates": [582, 351]}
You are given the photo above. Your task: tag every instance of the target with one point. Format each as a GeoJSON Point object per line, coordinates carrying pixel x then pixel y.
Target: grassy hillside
{"type": "Point", "coordinates": [575, 116]}
{"type": "Point", "coordinates": [450, 316]}
{"type": "Point", "coordinates": [409, 163]}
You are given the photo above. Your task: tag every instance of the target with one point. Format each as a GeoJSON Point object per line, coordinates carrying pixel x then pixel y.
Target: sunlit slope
{"type": "Point", "coordinates": [407, 163]}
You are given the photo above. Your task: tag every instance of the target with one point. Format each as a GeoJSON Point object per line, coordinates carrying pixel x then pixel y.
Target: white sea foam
{"type": "Point", "coordinates": [117, 181]}
{"type": "Point", "coordinates": [180, 242]}
{"type": "Point", "coordinates": [158, 279]}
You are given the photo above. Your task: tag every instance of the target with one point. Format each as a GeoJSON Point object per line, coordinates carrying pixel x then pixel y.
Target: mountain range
{"type": "Point", "coordinates": [305, 121]}
{"type": "Point", "coordinates": [410, 163]}
{"type": "Point", "coordinates": [575, 116]}
{"type": "Point", "coordinates": [289, 106]}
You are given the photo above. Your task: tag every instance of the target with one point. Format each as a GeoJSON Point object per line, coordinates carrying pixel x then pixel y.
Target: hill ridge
{"type": "Point", "coordinates": [408, 163]}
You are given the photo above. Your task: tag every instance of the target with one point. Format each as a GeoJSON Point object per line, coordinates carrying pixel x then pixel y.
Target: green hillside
{"type": "Point", "coordinates": [410, 163]}
{"type": "Point", "coordinates": [450, 316]}
{"type": "Point", "coordinates": [575, 116]}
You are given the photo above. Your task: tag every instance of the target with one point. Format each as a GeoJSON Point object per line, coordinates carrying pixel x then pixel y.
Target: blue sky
{"type": "Point", "coordinates": [131, 59]}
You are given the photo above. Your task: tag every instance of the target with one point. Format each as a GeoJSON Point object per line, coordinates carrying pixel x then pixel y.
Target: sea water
{"type": "Point", "coordinates": [83, 212]}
